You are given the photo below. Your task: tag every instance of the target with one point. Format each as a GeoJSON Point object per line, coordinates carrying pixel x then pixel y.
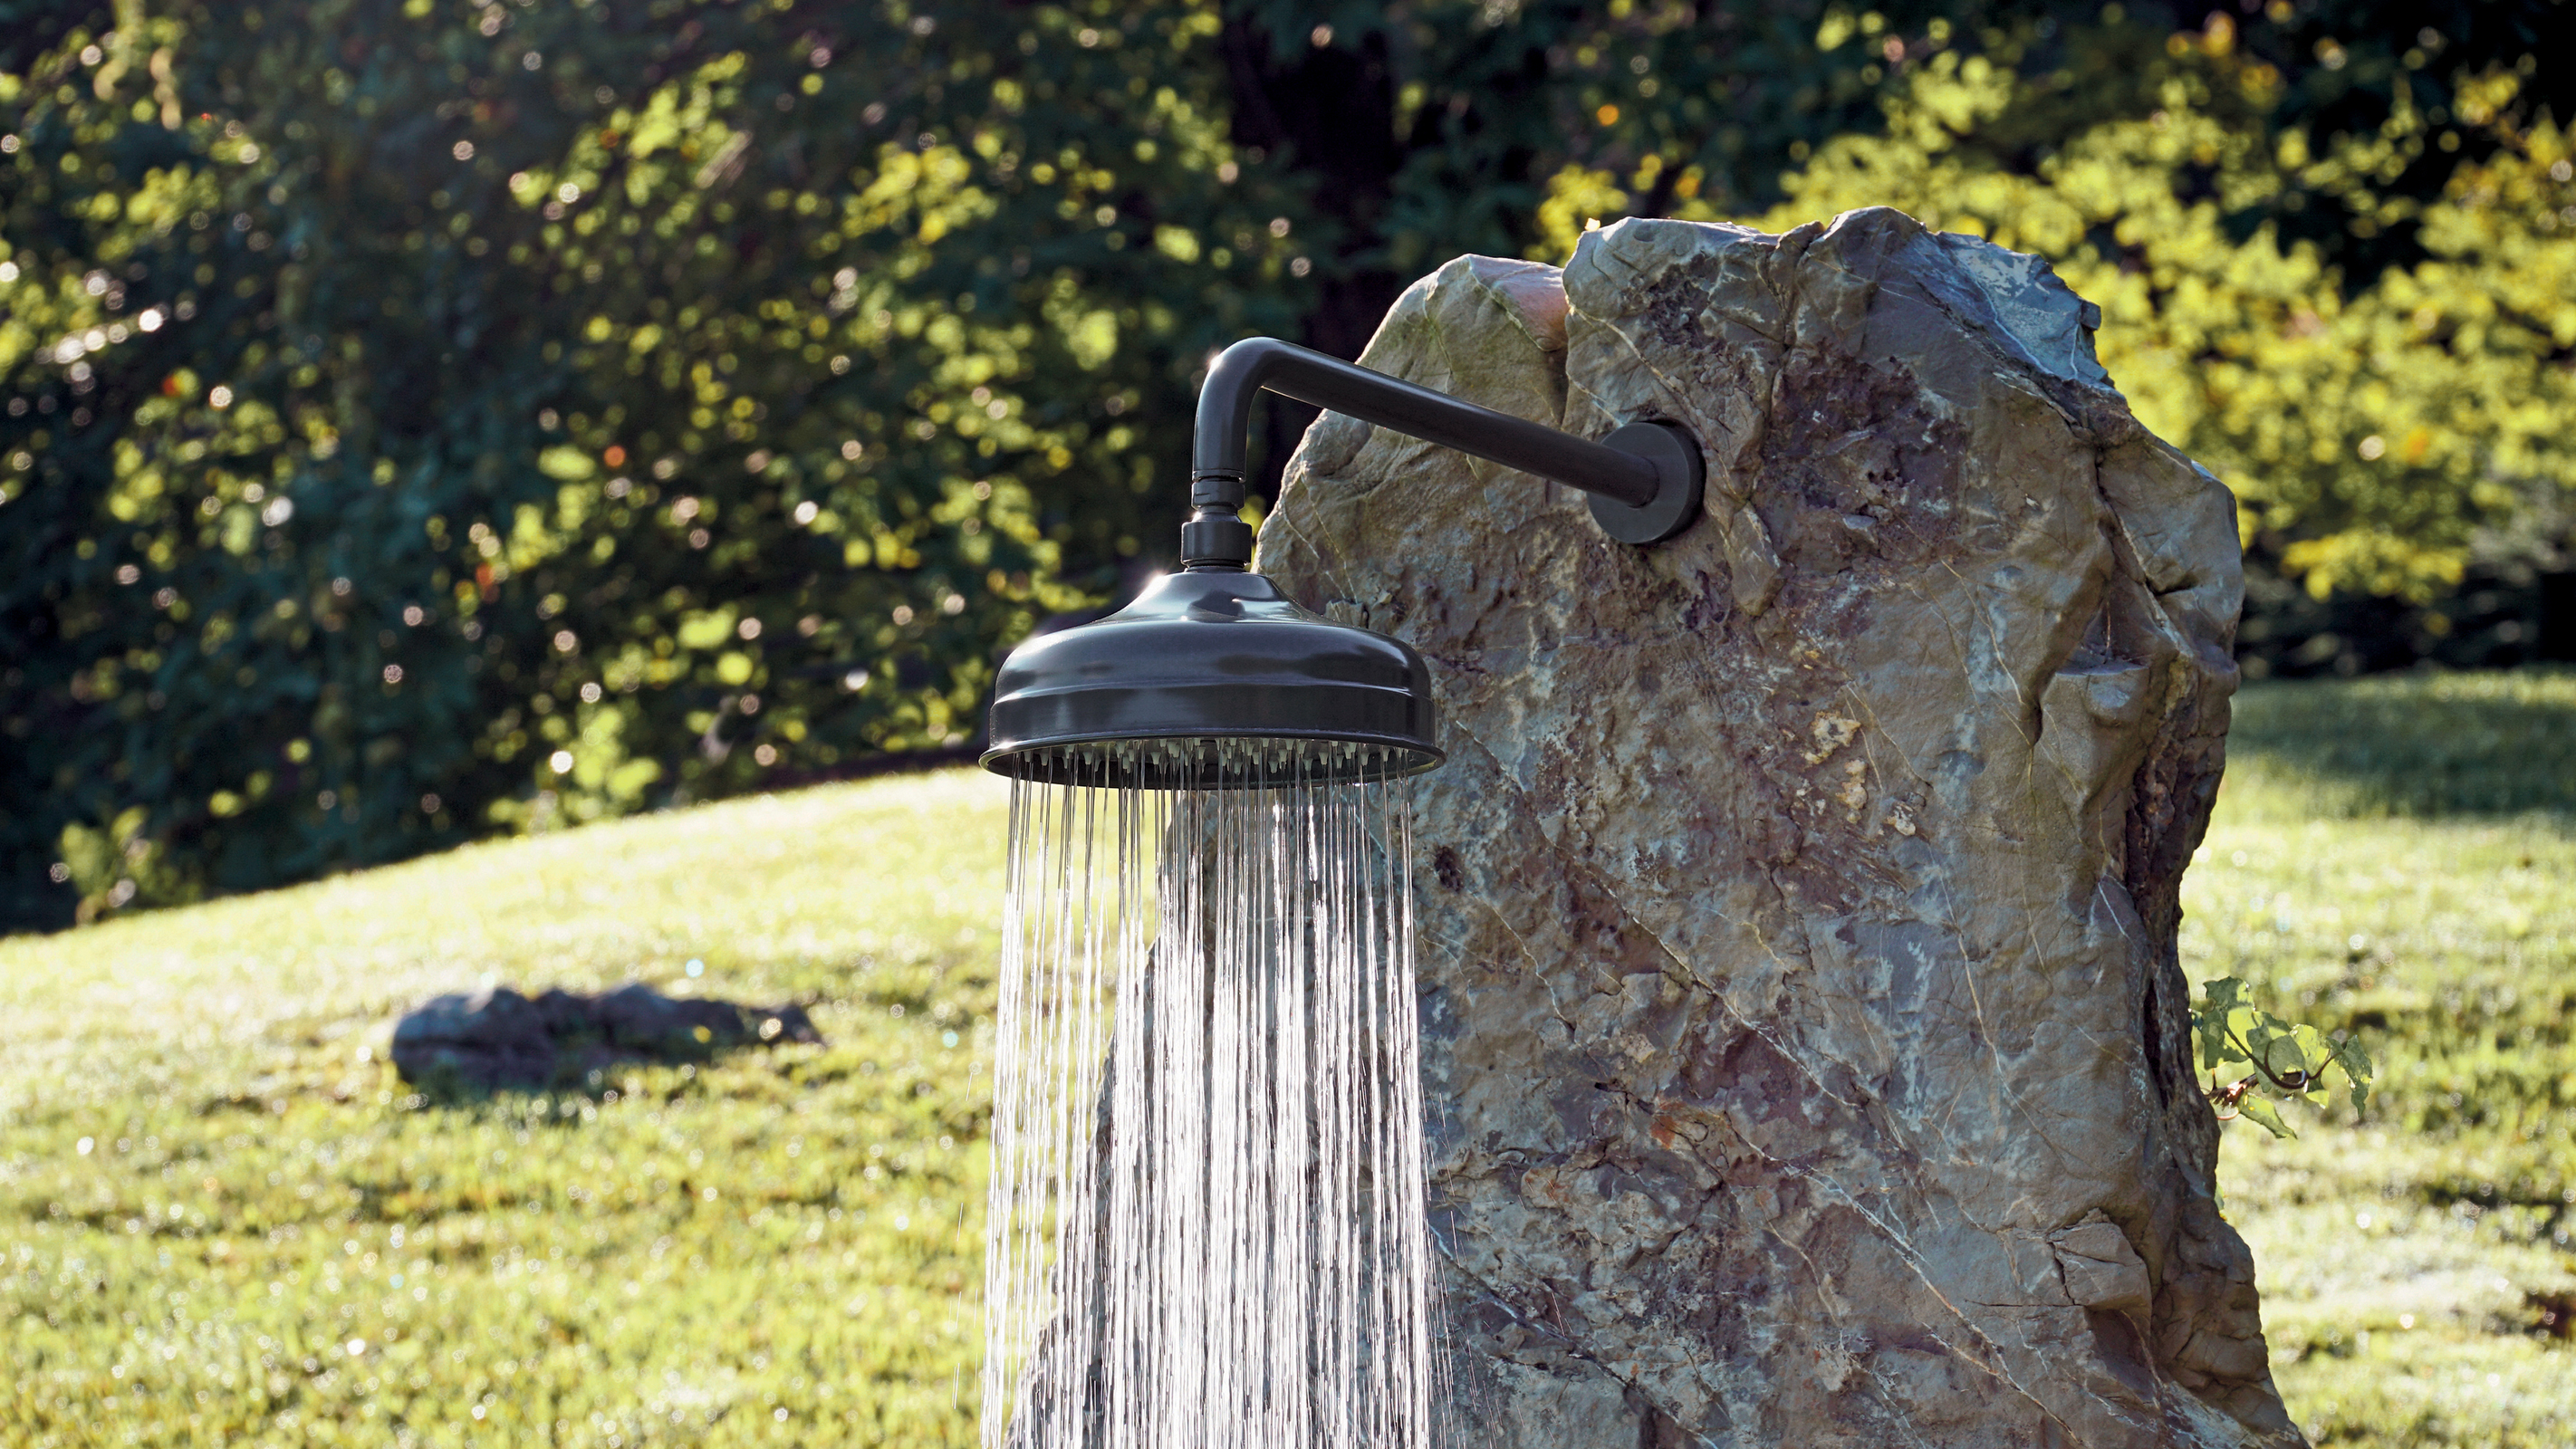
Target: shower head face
{"type": "Point", "coordinates": [1212, 680]}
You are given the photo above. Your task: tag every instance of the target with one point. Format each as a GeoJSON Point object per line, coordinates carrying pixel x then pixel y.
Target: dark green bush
{"type": "Point", "coordinates": [420, 418]}
{"type": "Point", "coordinates": [428, 419]}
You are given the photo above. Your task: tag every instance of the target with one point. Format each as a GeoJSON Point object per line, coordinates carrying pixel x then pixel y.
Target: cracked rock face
{"type": "Point", "coordinates": [1805, 1044]}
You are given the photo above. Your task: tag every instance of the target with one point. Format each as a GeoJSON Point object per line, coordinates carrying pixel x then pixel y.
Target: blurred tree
{"type": "Point", "coordinates": [2392, 397]}
{"type": "Point", "coordinates": [2334, 244]}
{"type": "Point", "coordinates": [1416, 132]}
{"type": "Point", "coordinates": [425, 417]}
{"type": "Point", "coordinates": [1427, 129]}
{"type": "Point", "coordinates": [429, 416]}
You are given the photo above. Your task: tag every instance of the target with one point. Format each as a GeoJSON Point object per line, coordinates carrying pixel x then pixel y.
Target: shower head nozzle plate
{"type": "Point", "coordinates": [1212, 680]}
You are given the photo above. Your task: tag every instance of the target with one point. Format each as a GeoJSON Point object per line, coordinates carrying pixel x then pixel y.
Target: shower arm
{"type": "Point", "coordinates": [1645, 478]}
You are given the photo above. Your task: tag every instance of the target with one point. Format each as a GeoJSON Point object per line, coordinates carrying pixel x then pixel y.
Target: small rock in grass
{"type": "Point", "coordinates": [498, 1037]}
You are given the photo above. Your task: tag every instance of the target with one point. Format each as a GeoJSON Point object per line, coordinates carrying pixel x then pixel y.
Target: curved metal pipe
{"type": "Point", "coordinates": [1225, 418]}
{"type": "Point", "coordinates": [1641, 476]}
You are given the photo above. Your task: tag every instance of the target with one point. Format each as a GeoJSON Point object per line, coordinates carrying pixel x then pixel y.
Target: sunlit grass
{"type": "Point", "coordinates": [780, 1248]}
{"type": "Point", "coordinates": [2398, 857]}
{"type": "Point", "coordinates": [267, 1241]}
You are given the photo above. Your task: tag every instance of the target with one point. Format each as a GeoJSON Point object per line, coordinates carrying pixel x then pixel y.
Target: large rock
{"type": "Point", "coordinates": [1805, 1041]}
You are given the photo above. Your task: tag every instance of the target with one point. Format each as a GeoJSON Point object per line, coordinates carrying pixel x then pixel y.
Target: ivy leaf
{"type": "Point", "coordinates": [2290, 1058]}
{"type": "Point", "coordinates": [2357, 1069]}
{"type": "Point", "coordinates": [2256, 1107]}
{"type": "Point", "coordinates": [2219, 1000]}
{"type": "Point", "coordinates": [2315, 1054]}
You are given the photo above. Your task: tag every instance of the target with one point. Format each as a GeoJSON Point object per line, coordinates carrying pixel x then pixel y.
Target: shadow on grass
{"type": "Point", "coordinates": [2417, 745]}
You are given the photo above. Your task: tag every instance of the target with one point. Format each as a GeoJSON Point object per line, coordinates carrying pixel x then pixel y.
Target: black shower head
{"type": "Point", "coordinates": [1210, 680]}
{"type": "Point", "coordinates": [1213, 679]}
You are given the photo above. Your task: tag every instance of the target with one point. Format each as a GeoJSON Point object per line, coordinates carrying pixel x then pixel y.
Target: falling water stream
{"type": "Point", "coordinates": [1207, 1227]}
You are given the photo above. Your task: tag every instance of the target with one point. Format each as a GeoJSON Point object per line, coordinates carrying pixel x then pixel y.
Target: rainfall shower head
{"type": "Point", "coordinates": [1213, 679]}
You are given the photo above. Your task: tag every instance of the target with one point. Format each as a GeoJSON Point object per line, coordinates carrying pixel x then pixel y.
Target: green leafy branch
{"type": "Point", "coordinates": [2289, 1059]}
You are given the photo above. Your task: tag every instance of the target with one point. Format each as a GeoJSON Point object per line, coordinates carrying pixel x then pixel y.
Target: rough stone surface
{"type": "Point", "coordinates": [1806, 1045]}
{"type": "Point", "coordinates": [498, 1037]}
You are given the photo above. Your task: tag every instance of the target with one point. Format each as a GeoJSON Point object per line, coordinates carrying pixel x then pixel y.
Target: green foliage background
{"type": "Point", "coordinates": [458, 415]}
{"type": "Point", "coordinates": [2390, 417]}
{"type": "Point", "coordinates": [422, 418]}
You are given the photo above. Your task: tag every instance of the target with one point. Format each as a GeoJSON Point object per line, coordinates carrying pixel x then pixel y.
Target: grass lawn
{"type": "Point", "coordinates": [2398, 857]}
{"type": "Point", "coordinates": [267, 1241]}
{"type": "Point", "coordinates": [223, 1221]}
